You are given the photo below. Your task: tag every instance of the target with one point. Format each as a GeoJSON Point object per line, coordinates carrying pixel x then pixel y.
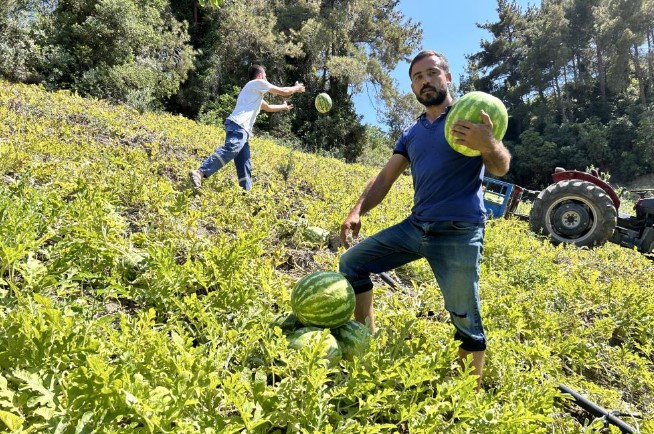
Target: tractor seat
{"type": "Point", "coordinates": [645, 206]}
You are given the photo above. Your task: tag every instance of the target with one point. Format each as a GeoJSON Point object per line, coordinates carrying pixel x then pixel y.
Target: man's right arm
{"type": "Point", "coordinates": [374, 193]}
{"type": "Point", "coordinates": [287, 91]}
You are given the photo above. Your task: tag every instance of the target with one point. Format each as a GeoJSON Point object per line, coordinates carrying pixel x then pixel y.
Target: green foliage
{"type": "Point", "coordinates": [377, 149]}
{"type": "Point", "coordinates": [579, 74]}
{"type": "Point", "coordinates": [18, 19]}
{"type": "Point", "coordinates": [644, 138]}
{"type": "Point", "coordinates": [210, 3]}
{"type": "Point", "coordinates": [327, 46]}
{"type": "Point", "coordinates": [286, 167]}
{"type": "Point", "coordinates": [121, 50]}
{"type": "Point", "coordinates": [130, 305]}
{"type": "Point", "coordinates": [337, 133]}
{"type": "Point", "coordinates": [215, 113]}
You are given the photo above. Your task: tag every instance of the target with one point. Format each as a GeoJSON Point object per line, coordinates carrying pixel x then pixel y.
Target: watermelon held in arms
{"type": "Point", "coordinates": [353, 338]}
{"type": "Point", "coordinates": [323, 299]}
{"type": "Point", "coordinates": [468, 107]}
{"type": "Point", "coordinates": [323, 102]}
{"type": "Point", "coordinates": [325, 343]}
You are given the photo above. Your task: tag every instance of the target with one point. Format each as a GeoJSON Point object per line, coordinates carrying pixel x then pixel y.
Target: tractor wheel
{"type": "Point", "coordinates": [575, 212]}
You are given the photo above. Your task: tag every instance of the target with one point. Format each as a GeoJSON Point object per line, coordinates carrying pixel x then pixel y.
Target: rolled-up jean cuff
{"type": "Point", "coordinates": [360, 289]}
{"type": "Point", "coordinates": [469, 344]}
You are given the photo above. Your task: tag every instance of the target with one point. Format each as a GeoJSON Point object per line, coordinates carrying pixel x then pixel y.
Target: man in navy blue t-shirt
{"type": "Point", "coordinates": [446, 224]}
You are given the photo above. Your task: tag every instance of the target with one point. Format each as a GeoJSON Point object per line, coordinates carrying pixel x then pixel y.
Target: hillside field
{"type": "Point", "coordinates": [128, 304]}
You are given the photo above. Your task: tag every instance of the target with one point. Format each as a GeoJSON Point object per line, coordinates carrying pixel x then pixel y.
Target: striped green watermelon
{"type": "Point", "coordinates": [133, 264]}
{"type": "Point", "coordinates": [353, 338]}
{"type": "Point", "coordinates": [468, 107]}
{"type": "Point", "coordinates": [325, 343]}
{"type": "Point", "coordinates": [316, 234]}
{"type": "Point", "coordinates": [323, 102]}
{"type": "Point", "coordinates": [323, 299]}
{"type": "Point", "coordinates": [288, 322]}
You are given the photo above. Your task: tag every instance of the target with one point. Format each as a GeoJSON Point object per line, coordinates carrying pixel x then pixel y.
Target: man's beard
{"type": "Point", "coordinates": [429, 101]}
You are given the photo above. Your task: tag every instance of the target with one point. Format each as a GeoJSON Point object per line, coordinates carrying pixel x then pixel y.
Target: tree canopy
{"type": "Point", "coordinates": [577, 76]}
{"type": "Point", "coordinates": [578, 79]}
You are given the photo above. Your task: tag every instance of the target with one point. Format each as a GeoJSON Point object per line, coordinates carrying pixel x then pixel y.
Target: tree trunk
{"type": "Point", "coordinates": [601, 74]}
{"type": "Point", "coordinates": [559, 99]}
{"type": "Point", "coordinates": [650, 52]}
{"type": "Point", "coordinates": [639, 76]}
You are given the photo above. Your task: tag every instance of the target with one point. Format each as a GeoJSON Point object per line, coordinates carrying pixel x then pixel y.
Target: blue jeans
{"type": "Point", "coordinates": [453, 250]}
{"type": "Point", "coordinates": [236, 148]}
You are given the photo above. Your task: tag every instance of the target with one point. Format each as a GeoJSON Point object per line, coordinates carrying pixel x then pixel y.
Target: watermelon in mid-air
{"type": "Point", "coordinates": [323, 299]}
{"type": "Point", "coordinates": [468, 107]}
{"type": "Point", "coordinates": [323, 102]}
{"type": "Point", "coordinates": [353, 338]}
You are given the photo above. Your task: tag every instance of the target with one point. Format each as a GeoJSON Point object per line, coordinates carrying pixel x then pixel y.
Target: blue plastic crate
{"type": "Point", "coordinates": [497, 195]}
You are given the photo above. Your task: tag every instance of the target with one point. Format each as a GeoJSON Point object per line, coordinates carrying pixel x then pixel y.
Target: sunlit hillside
{"type": "Point", "coordinates": [128, 304]}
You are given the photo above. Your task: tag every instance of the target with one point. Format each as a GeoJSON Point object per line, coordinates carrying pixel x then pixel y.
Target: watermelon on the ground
{"type": "Point", "coordinates": [353, 338]}
{"type": "Point", "coordinates": [134, 263]}
{"type": "Point", "coordinates": [323, 299]}
{"type": "Point", "coordinates": [326, 343]}
{"type": "Point", "coordinates": [288, 322]}
{"type": "Point", "coordinates": [468, 107]}
{"type": "Point", "coordinates": [316, 234]}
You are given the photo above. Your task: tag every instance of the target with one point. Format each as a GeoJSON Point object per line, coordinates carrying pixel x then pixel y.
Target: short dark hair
{"type": "Point", "coordinates": [428, 53]}
{"type": "Point", "coordinates": [254, 70]}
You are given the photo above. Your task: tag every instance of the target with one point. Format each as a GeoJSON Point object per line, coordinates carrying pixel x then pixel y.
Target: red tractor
{"type": "Point", "coordinates": [578, 208]}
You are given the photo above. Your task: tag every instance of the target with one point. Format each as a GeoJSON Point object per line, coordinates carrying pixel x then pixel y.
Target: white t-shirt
{"type": "Point", "coordinates": [248, 104]}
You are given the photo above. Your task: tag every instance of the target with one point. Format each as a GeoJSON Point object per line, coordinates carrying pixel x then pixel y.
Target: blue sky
{"type": "Point", "coordinates": [447, 27]}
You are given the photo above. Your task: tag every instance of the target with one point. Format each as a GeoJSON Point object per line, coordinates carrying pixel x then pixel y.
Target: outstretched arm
{"type": "Point", "coordinates": [373, 194]}
{"type": "Point", "coordinates": [480, 137]}
{"type": "Point", "coordinates": [287, 91]}
{"type": "Point", "coordinates": [272, 108]}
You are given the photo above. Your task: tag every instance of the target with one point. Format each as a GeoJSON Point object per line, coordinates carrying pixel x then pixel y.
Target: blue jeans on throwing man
{"type": "Point", "coordinates": [236, 148]}
{"type": "Point", "coordinates": [453, 250]}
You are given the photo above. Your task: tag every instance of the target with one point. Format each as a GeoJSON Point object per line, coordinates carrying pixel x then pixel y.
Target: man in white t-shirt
{"type": "Point", "coordinates": [238, 128]}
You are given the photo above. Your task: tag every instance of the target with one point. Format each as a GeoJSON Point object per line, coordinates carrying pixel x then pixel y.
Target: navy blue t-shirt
{"type": "Point", "coordinates": [447, 184]}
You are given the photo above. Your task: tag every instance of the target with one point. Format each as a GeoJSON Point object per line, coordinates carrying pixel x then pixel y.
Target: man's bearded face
{"type": "Point", "coordinates": [432, 96]}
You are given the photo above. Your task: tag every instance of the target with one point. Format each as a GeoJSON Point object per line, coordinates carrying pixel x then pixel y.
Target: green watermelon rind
{"type": "Point", "coordinates": [288, 322]}
{"type": "Point", "coordinates": [353, 339]}
{"type": "Point", "coordinates": [323, 102]}
{"type": "Point", "coordinates": [330, 349]}
{"type": "Point", "coordinates": [316, 234]}
{"type": "Point", "coordinates": [323, 299]}
{"type": "Point", "coordinates": [468, 107]}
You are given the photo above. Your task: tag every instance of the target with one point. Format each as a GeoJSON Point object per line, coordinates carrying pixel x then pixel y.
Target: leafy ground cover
{"type": "Point", "coordinates": [130, 305]}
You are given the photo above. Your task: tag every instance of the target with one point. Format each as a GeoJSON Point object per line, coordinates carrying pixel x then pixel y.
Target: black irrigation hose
{"type": "Point", "coordinates": [386, 278]}
{"type": "Point", "coordinates": [583, 402]}
{"type": "Point", "coordinates": [596, 410]}
{"type": "Point", "coordinates": [610, 417]}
